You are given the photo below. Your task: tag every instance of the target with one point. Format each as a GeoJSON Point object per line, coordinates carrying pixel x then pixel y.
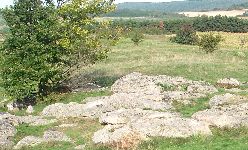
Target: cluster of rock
{"type": "Point", "coordinates": [8, 123]}
{"type": "Point", "coordinates": [133, 91]}
{"type": "Point", "coordinates": [226, 110]}
{"type": "Point", "coordinates": [140, 108]}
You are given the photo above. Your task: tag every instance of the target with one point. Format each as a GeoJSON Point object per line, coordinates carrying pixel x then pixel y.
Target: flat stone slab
{"type": "Point", "coordinates": [147, 123]}
{"type": "Point", "coordinates": [49, 136]}
{"type": "Point", "coordinates": [226, 99]}
{"type": "Point", "coordinates": [228, 116]}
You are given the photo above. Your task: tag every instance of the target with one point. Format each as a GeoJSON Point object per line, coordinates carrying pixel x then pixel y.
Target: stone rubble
{"type": "Point", "coordinates": [139, 108]}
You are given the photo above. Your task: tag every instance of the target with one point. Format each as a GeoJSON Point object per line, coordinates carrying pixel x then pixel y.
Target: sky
{"type": "Point", "coordinates": [4, 3]}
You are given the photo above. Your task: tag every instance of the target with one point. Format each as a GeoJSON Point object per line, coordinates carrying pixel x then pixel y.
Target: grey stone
{"type": "Point", "coordinates": [30, 109]}
{"type": "Point", "coordinates": [49, 136]}
{"type": "Point", "coordinates": [231, 116]}
{"type": "Point", "coordinates": [60, 110]}
{"type": "Point", "coordinates": [7, 131]}
{"type": "Point", "coordinates": [35, 120]}
{"type": "Point", "coordinates": [55, 136]}
{"type": "Point", "coordinates": [202, 88]}
{"type": "Point", "coordinates": [226, 99]}
{"type": "Point", "coordinates": [29, 141]}
{"type": "Point", "coordinates": [80, 147]}
{"type": "Point", "coordinates": [228, 83]}
{"type": "Point", "coordinates": [181, 95]}
{"type": "Point", "coordinates": [147, 123]}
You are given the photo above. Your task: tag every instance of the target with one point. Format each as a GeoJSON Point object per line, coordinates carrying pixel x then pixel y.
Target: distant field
{"type": "Point", "coordinates": [157, 55]}
{"type": "Point", "coordinates": [232, 13]}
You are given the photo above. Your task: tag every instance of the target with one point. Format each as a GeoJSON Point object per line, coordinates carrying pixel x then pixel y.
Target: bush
{"type": "Point", "coordinates": [209, 42]}
{"type": "Point", "coordinates": [186, 35]}
{"type": "Point", "coordinates": [137, 37]}
{"type": "Point", "coordinates": [47, 42]}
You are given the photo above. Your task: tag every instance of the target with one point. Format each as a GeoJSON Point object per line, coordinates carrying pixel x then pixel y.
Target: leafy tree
{"type": "Point", "coordinates": [48, 40]}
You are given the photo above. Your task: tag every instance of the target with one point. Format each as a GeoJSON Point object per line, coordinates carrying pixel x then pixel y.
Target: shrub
{"type": "Point", "coordinates": [47, 42]}
{"type": "Point", "coordinates": [209, 42]}
{"type": "Point", "coordinates": [137, 37]}
{"type": "Point", "coordinates": [185, 35]}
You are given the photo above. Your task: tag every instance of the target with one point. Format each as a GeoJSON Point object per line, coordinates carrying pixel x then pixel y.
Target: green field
{"type": "Point", "coordinates": [156, 55]}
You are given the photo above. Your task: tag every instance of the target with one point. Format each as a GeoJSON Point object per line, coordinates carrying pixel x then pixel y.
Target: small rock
{"type": "Point", "coordinates": [80, 147]}
{"type": "Point", "coordinates": [228, 83]}
{"type": "Point", "coordinates": [30, 109]}
{"type": "Point", "coordinates": [226, 99]}
{"type": "Point", "coordinates": [49, 136]}
{"type": "Point", "coordinates": [10, 106]}
{"type": "Point", "coordinates": [29, 141]}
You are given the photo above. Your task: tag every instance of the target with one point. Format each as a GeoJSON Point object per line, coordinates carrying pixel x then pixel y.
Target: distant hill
{"type": "Point", "coordinates": [179, 6]}
{"type": "Point", "coordinates": [239, 6]}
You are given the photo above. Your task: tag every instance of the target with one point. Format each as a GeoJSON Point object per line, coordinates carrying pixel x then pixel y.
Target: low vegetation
{"type": "Point", "coordinates": [209, 42]}
{"type": "Point", "coordinates": [76, 47]}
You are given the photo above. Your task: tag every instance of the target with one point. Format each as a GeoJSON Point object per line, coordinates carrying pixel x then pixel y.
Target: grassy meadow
{"type": "Point", "coordinates": [157, 55]}
{"type": "Point", "coordinates": [154, 55]}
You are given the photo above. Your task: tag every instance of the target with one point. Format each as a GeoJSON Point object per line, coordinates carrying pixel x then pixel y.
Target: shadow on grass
{"type": "Point", "coordinates": [97, 77]}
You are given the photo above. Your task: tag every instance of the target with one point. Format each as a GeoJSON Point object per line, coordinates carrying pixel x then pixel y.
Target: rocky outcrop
{"type": "Point", "coordinates": [226, 116]}
{"type": "Point", "coordinates": [7, 131]}
{"type": "Point", "coordinates": [228, 83]}
{"type": "Point", "coordinates": [226, 99]}
{"type": "Point", "coordinates": [49, 136]}
{"type": "Point", "coordinates": [140, 108]}
{"type": "Point", "coordinates": [147, 123]}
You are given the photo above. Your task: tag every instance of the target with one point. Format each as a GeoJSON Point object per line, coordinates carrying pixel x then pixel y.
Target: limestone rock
{"type": "Point", "coordinates": [123, 116]}
{"type": "Point", "coordinates": [114, 134]}
{"type": "Point", "coordinates": [138, 83]}
{"type": "Point", "coordinates": [55, 136]}
{"type": "Point", "coordinates": [80, 147]}
{"type": "Point", "coordinates": [29, 141]}
{"type": "Point", "coordinates": [30, 109]}
{"type": "Point", "coordinates": [49, 136]}
{"type": "Point", "coordinates": [7, 131]}
{"type": "Point", "coordinates": [170, 127]}
{"type": "Point", "coordinates": [228, 83]}
{"type": "Point", "coordinates": [35, 120]}
{"type": "Point", "coordinates": [181, 95]}
{"type": "Point", "coordinates": [226, 99]}
{"type": "Point", "coordinates": [201, 88]}
{"type": "Point", "coordinates": [226, 116]}
{"type": "Point", "coordinates": [147, 123]}
{"type": "Point", "coordinates": [10, 106]}
{"type": "Point", "coordinates": [94, 109]}
{"type": "Point", "coordinates": [60, 110]}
